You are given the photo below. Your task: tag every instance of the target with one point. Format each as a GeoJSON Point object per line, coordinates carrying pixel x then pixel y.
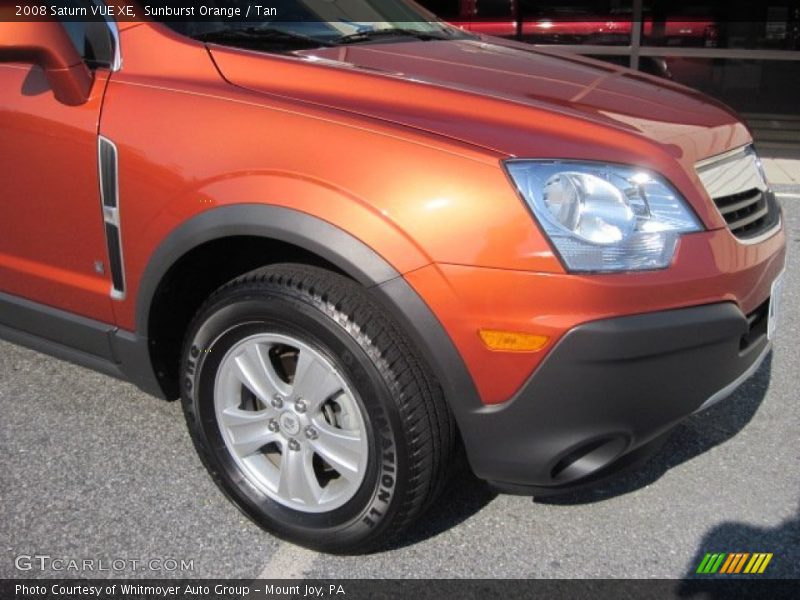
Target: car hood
{"type": "Point", "coordinates": [500, 95]}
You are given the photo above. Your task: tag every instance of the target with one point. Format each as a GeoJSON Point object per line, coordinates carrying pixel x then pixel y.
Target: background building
{"type": "Point", "coordinates": [744, 52]}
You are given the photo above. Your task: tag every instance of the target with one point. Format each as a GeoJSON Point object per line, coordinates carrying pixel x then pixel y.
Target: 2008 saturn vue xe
{"type": "Point", "coordinates": [349, 247]}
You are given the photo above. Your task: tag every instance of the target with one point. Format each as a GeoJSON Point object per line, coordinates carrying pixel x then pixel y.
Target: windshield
{"type": "Point", "coordinates": [306, 23]}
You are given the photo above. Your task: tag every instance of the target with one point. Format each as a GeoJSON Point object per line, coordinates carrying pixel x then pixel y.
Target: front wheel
{"type": "Point", "coordinates": [311, 411]}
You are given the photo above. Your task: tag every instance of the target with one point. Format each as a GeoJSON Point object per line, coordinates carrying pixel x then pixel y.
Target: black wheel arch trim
{"type": "Point", "coordinates": [259, 220]}
{"type": "Point", "coordinates": [332, 244]}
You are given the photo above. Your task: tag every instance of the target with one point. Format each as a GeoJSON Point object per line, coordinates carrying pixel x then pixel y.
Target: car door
{"type": "Point", "coordinates": [53, 247]}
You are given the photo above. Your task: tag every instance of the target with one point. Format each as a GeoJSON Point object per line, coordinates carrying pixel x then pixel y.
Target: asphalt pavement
{"type": "Point", "coordinates": [93, 469]}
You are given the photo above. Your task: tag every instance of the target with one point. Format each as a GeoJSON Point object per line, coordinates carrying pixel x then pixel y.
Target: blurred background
{"type": "Point", "coordinates": [744, 52]}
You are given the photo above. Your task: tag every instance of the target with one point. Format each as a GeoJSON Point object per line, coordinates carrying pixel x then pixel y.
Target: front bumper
{"type": "Point", "coordinates": [608, 390]}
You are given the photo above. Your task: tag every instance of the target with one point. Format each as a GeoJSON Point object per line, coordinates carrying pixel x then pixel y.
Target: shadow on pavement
{"type": "Point", "coordinates": [783, 541]}
{"type": "Point", "coordinates": [464, 496]}
{"type": "Point", "coordinates": [693, 437]}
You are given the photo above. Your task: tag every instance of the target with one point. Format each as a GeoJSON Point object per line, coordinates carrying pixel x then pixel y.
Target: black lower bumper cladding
{"type": "Point", "coordinates": [607, 393]}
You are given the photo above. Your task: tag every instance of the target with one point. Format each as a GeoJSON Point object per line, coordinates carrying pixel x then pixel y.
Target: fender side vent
{"type": "Point", "coordinates": [109, 195]}
{"type": "Point", "coordinates": [115, 257]}
{"type": "Point", "coordinates": [108, 173]}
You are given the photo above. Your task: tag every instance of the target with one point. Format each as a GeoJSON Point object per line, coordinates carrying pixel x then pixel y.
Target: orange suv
{"type": "Point", "coordinates": [352, 243]}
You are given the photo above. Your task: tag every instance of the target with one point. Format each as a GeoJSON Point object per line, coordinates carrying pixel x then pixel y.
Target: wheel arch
{"type": "Point", "coordinates": [260, 221]}
{"type": "Point", "coordinates": [282, 235]}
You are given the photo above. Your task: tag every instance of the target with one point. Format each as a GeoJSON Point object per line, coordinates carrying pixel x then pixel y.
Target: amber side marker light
{"type": "Point", "coordinates": [512, 341]}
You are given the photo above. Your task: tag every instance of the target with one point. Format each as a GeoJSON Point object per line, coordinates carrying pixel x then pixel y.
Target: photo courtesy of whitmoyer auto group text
{"type": "Point", "coordinates": [399, 299]}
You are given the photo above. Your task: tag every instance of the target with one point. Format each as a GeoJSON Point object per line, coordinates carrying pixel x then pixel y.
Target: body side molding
{"type": "Point", "coordinates": [82, 341]}
{"type": "Point", "coordinates": [56, 326]}
{"type": "Point", "coordinates": [59, 333]}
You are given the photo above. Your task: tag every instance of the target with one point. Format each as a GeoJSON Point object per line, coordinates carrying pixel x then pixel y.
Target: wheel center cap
{"type": "Point", "coordinates": [290, 423]}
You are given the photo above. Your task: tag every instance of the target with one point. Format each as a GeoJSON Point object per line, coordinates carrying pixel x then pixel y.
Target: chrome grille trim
{"type": "Point", "coordinates": [735, 182]}
{"type": "Point", "coordinates": [731, 173]}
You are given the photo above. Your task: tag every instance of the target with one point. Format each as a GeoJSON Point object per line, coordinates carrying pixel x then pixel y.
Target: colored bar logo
{"type": "Point", "coordinates": [733, 563]}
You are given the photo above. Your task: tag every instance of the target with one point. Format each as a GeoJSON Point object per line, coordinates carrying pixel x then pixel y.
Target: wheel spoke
{"type": "Point", "coordinates": [314, 381]}
{"type": "Point", "coordinates": [340, 448]}
{"type": "Point", "coordinates": [282, 443]}
{"type": "Point", "coordinates": [297, 479]}
{"type": "Point", "coordinates": [248, 430]}
{"type": "Point", "coordinates": [254, 369]}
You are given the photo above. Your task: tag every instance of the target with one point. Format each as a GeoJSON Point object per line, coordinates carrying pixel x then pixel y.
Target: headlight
{"type": "Point", "coordinates": [604, 217]}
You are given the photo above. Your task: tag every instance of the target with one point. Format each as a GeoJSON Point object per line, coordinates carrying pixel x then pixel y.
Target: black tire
{"type": "Point", "coordinates": [410, 429]}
